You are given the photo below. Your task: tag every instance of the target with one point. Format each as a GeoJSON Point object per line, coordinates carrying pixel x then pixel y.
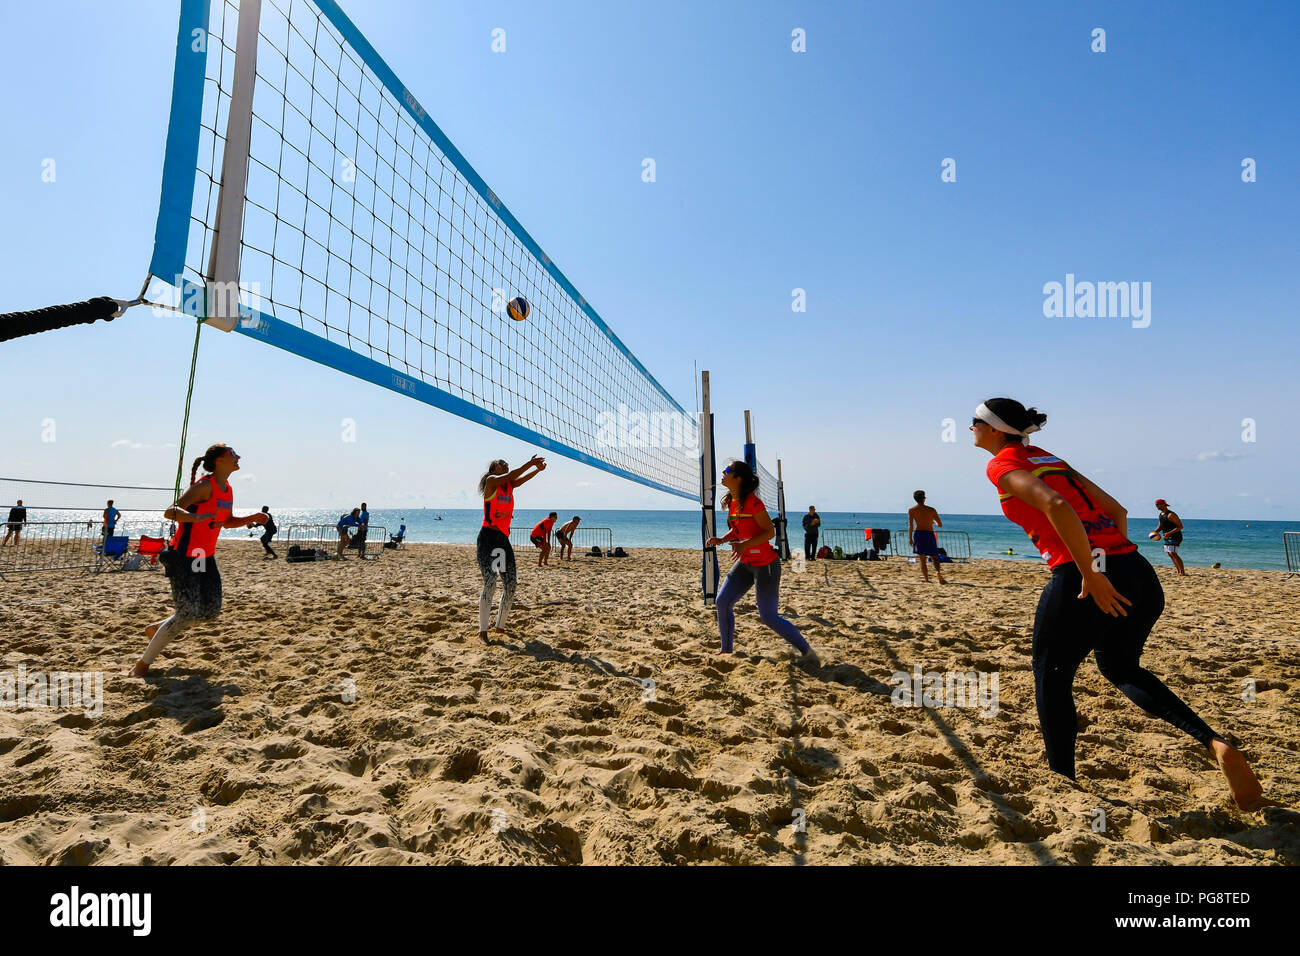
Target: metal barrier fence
{"type": "Point", "coordinates": [850, 541]}
{"type": "Point", "coordinates": [325, 537]}
{"type": "Point", "coordinates": [1291, 544]}
{"type": "Point", "coordinates": [67, 545]}
{"type": "Point", "coordinates": [583, 539]}
{"type": "Point", "coordinates": [955, 544]}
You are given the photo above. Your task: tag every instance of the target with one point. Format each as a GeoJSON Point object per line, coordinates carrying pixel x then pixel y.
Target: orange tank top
{"type": "Point", "coordinates": [198, 539]}
{"type": "Point", "coordinates": [500, 508]}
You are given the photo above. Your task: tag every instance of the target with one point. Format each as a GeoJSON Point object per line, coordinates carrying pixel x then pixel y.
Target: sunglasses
{"type": "Point", "coordinates": [726, 471]}
{"type": "Point", "coordinates": [978, 421]}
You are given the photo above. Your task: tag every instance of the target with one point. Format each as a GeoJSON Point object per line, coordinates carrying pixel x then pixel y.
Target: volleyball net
{"type": "Point", "coordinates": [309, 201]}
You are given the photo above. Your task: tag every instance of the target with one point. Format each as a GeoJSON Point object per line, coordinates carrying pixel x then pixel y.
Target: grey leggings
{"type": "Point", "coordinates": [495, 556]}
{"type": "Point", "coordinates": [197, 594]}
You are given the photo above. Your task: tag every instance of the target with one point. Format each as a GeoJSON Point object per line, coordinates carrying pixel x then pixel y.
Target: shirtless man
{"type": "Point", "coordinates": [565, 536]}
{"type": "Point", "coordinates": [923, 519]}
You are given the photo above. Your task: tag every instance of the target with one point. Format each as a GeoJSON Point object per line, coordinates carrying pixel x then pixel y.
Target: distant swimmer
{"type": "Point", "coordinates": [541, 537]}
{"type": "Point", "coordinates": [564, 535]}
{"type": "Point", "coordinates": [756, 563]}
{"type": "Point", "coordinates": [1069, 519]}
{"type": "Point", "coordinates": [495, 556]}
{"type": "Point", "coordinates": [923, 541]}
{"type": "Point", "coordinates": [191, 567]}
{"type": "Point", "coordinates": [1170, 528]}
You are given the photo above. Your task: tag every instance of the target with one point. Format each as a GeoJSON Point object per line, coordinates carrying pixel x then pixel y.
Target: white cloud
{"type": "Point", "coordinates": [1219, 456]}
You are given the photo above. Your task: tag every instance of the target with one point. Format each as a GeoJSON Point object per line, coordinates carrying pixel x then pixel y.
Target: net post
{"type": "Point", "coordinates": [709, 556]}
{"type": "Point", "coordinates": [783, 540]}
{"type": "Point", "coordinates": [223, 266]}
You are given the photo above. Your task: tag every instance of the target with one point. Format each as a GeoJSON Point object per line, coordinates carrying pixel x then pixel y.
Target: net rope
{"type": "Point", "coordinates": [359, 229]}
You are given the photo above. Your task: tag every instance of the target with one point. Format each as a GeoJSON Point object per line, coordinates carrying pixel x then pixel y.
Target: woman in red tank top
{"type": "Point", "coordinates": [495, 555]}
{"type": "Point", "coordinates": [191, 564]}
{"type": "Point", "coordinates": [1103, 598]}
{"type": "Point", "coordinates": [756, 563]}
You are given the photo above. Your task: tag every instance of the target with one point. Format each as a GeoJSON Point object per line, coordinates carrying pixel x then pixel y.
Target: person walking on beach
{"type": "Point", "coordinates": [923, 541]}
{"type": "Point", "coordinates": [17, 518]}
{"type": "Point", "coordinates": [495, 556]}
{"type": "Point", "coordinates": [812, 523]}
{"type": "Point", "coordinates": [1103, 597]}
{"type": "Point", "coordinates": [1170, 527]}
{"type": "Point", "coordinates": [755, 563]}
{"type": "Point", "coordinates": [191, 564]}
{"type": "Point", "coordinates": [564, 535]}
{"type": "Point", "coordinates": [352, 520]}
{"type": "Point", "coordinates": [541, 537]}
{"type": "Point", "coordinates": [269, 531]}
{"type": "Point", "coordinates": [110, 518]}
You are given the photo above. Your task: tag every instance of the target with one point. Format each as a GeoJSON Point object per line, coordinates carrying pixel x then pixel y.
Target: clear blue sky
{"type": "Point", "coordinates": [776, 170]}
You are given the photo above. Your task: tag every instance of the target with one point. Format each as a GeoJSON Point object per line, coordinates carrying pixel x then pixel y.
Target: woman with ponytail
{"type": "Point", "coordinates": [496, 558]}
{"type": "Point", "coordinates": [1103, 598]}
{"type": "Point", "coordinates": [191, 564]}
{"type": "Point", "coordinates": [756, 563]}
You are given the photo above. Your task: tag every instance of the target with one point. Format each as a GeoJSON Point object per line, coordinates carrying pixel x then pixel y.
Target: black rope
{"type": "Point", "coordinates": [15, 324]}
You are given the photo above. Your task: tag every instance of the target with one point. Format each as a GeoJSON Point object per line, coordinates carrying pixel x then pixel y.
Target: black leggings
{"type": "Point", "coordinates": [1067, 629]}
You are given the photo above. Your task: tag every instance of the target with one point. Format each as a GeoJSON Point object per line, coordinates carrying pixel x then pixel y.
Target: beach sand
{"type": "Point", "coordinates": [548, 747]}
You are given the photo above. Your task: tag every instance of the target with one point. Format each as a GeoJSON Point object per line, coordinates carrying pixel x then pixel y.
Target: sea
{"type": "Point", "coordinates": [1232, 544]}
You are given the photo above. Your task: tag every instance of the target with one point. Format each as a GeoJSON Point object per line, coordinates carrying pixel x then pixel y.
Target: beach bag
{"type": "Point", "coordinates": [839, 552]}
{"type": "Point", "coordinates": [131, 562]}
{"type": "Point", "coordinates": [595, 551]}
{"type": "Point", "coordinates": [824, 551]}
{"type": "Point", "coordinates": [620, 553]}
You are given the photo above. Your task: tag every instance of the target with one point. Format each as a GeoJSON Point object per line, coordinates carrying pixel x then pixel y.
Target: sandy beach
{"type": "Point", "coordinates": [347, 713]}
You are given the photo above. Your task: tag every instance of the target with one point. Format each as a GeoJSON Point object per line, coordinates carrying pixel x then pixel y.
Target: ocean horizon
{"type": "Point", "coordinates": [1254, 545]}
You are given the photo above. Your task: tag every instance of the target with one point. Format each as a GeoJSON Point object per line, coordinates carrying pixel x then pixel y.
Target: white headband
{"type": "Point", "coordinates": [984, 414]}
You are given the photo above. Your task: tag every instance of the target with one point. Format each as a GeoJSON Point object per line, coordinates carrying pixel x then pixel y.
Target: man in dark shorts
{"type": "Point", "coordinates": [1171, 529]}
{"type": "Point", "coordinates": [541, 537]}
{"type": "Point", "coordinates": [110, 519]}
{"type": "Point", "coordinates": [564, 535]}
{"type": "Point", "coordinates": [923, 519]}
{"type": "Point", "coordinates": [17, 518]}
{"type": "Point", "coordinates": [812, 523]}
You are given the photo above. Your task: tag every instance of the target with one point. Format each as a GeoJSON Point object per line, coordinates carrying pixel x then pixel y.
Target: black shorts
{"type": "Point", "coordinates": [537, 541]}
{"type": "Point", "coordinates": [196, 585]}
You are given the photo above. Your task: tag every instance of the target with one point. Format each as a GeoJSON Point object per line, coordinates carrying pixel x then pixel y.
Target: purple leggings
{"type": "Point", "coordinates": [767, 583]}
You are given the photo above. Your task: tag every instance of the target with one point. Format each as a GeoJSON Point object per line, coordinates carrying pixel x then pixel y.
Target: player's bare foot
{"type": "Point", "coordinates": [140, 669]}
{"type": "Point", "coordinates": [483, 636]}
{"type": "Point", "coordinates": [150, 631]}
{"type": "Point", "coordinates": [1242, 782]}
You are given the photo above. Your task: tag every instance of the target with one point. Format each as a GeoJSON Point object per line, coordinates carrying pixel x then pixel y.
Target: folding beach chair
{"type": "Point", "coordinates": [150, 548]}
{"type": "Point", "coordinates": [112, 552]}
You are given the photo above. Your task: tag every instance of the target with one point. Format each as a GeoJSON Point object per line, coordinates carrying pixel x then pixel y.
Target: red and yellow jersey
{"type": "Point", "coordinates": [1056, 474]}
{"type": "Point", "coordinates": [543, 528]}
{"type": "Point", "coordinates": [499, 508]}
{"type": "Point", "coordinates": [198, 539]}
{"type": "Point", "coordinates": [742, 519]}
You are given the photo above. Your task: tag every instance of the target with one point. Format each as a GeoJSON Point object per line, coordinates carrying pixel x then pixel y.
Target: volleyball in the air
{"type": "Point", "coordinates": [517, 308]}
{"type": "Point", "coordinates": [1154, 535]}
